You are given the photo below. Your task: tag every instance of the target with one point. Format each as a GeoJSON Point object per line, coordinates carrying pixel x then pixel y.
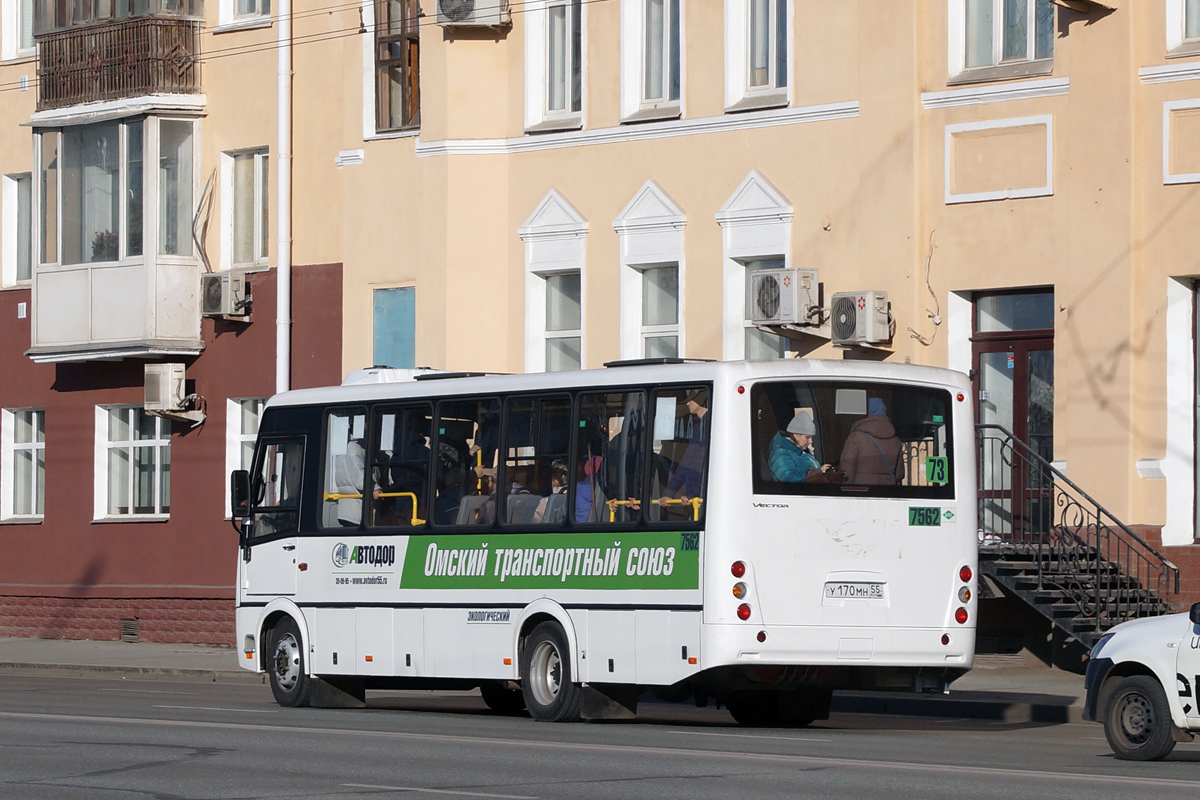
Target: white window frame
{"type": "Point", "coordinates": [538, 117]}
{"type": "Point", "coordinates": [634, 105]}
{"type": "Point", "coordinates": [1178, 42]}
{"type": "Point", "coordinates": [235, 438]}
{"type": "Point", "coordinates": [10, 216]}
{"type": "Point", "coordinates": [8, 450]}
{"type": "Point", "coordinates": [756, 225]}
{"type": "Point", "coordinates": [739, 95]}
{"type": "Point", "coordinates": [555, 235]}
{"type": "Point", "coordinates": [647, 331]}
{"type": "Point", "coordinates": [650, 228]}
{"type": "Point", "coordinates": [10, 34]}
{"type": "Point", "coordinates": [262, 194]}
{"type": "Point", "coordinates": [956, 17]}
{"type": "Point", "coordinates": [228, 18]}
{"type": "Point", "coordinates": [100, 511]}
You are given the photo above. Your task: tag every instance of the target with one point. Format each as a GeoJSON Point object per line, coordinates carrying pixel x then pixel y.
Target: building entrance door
{"type": "Point", "coordinates": [1013, 355]}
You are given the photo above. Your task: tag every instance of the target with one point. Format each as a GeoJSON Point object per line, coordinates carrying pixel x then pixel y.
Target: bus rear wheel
{"type": "Point", "coordinates": [501, 699]}
{"type": "Point", "coordinates": [290, 682]}
{"type": "Point", "coordinates": [756, 709]}
{"type": "Point", "coordinates": [546, 680]}
{"type": "Point", "coordinates": [1137, 722]}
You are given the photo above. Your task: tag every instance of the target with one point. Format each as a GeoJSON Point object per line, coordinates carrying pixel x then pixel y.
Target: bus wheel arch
{"type": "Point", "coordinates": [272, 616]}
{"type": "Point", "coordinates": [544, 610]}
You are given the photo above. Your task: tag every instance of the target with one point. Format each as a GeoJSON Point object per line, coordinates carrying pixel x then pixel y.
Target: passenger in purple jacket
{"type": "Point", "coordinates": [873, 454]}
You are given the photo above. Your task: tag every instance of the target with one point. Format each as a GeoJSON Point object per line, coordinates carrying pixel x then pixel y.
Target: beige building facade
{"type": "Point", "coordinates": [555, 184]}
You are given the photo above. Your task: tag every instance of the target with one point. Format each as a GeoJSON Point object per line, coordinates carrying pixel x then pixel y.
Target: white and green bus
{"type": "Point", "coordinates": [758, 534]}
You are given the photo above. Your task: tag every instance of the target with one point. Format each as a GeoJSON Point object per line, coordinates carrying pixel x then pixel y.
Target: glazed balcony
{"type": "Point", "coordinates": [90, 60]}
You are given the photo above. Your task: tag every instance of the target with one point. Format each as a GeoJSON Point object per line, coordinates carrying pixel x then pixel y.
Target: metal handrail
{"type": "Point", "coordinates": [1077, 541]}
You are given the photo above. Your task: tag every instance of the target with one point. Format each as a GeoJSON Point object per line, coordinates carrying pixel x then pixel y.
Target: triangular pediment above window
{"type": "Point", "coordinates": [553, 217]}
{"type": "Point", "coordinates": [650, 208]}
{"type": "Point", "coordinates": [755, 201]}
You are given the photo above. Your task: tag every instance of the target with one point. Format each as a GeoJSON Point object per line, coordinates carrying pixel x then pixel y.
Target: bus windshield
{"type": "Point", "coordinates": [852, 438]}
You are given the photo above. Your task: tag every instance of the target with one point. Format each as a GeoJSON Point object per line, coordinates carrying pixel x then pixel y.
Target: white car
{"type": "Point", "coordinates": [1143, 683]}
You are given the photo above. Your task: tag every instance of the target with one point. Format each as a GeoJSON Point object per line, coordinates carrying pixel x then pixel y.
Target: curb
{"type": "Point", "coordinates": [144, 673]}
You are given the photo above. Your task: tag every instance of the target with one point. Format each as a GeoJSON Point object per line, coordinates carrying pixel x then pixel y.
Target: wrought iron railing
{"type": "Point", "coordinates": [1029, 507]}
{"type": "Point", "coordinates": [108, 61]}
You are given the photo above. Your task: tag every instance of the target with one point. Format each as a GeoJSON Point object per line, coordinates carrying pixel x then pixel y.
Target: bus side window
{"type": "Point", "coordinates": [465, 456]}
{"type": "Point", "coordinates": [536, 451]}
{"type": "Point", "coordinates": [609, 473]}
{"type": "Point", "coordinates": [275, 488]}
{"type": "Point", "coordinates": [345, 468]}
{"type": "Point", "coordinates": [679, 454]}
{"type": "Point", "coordinates": [400, 461]}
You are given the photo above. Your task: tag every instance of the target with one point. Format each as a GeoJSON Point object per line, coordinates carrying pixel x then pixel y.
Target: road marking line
{"type": "Point", "coordinates": [148, 691]}
{"type": "Point", "coordinates": [438, 791]}
{"type": "Point", "coordinates": [829, 761]}
{"type": "Point", "coordinates": [236, 710]}
{"type": "Point", "coordinates": [753, 736]}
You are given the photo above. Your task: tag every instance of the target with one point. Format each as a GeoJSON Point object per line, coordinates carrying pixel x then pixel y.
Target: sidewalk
{"type": "Point", "coordinates": [1002, 693]}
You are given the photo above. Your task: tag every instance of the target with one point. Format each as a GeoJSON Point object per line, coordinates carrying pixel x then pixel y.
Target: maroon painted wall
{"type": "Point", "coordinates": [69, 576]}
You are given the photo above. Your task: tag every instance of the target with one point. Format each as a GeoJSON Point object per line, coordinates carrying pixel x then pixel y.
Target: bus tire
{"type": "Point", "coordinates": [501, 699]}
{"type": "Point", "coordinates": [286, 665]}
{"type": "Point", "coordinates": [754, 709]}
{"type": "Point", "coordinates": [1137, 721]}
{"type": "Point", "coordinates": [547, 684]}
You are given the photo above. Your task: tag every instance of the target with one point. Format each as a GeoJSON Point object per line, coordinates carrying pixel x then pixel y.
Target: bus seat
{"type": "Point", "coordinates": [521, 508]}
{"type": "Point", "coordinates": [556, 509]}
{"type": "Point", "coordinates": [468, 510]}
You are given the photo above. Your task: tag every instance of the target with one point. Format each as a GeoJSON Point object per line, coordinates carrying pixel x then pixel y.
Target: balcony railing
{"type": "Point", "coordinates": [108, 61]}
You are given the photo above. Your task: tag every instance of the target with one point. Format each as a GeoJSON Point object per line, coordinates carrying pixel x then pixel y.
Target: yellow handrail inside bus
{"type": "Point", "coordinates": [693, 502]}
{"type": "Point", "coordinates": [415, 519]}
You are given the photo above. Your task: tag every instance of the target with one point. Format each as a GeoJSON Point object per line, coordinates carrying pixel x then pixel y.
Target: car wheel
{"type": "Point", "coordinates": [551, 695]}
{"type": "Point", "coordinates": [290, 682]}
{"type": "Point", "coordinates": [1137, 722]}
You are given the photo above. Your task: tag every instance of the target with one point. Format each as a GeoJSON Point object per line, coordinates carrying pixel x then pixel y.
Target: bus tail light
{"type": "Point", "coordinates": [964, 595]}
{"type": "Point", "coordinates": [762, 636]}
{"type": "Point", "coordinates": [738, 569]}
{"type": "Point", "coordinates": [945, 638]}
{"type": "Point", "coordinates": [965, 573]}
{"type": "Point", "coordinates": [960, 616]}
{"type": "Point", "coordinates": [739, 590]}
{"type": "Point", "coordinates": [744, 611]}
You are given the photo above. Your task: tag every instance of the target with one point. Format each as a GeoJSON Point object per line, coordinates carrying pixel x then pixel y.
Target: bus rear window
{"type": "Point", "coordinates": [852, 438]}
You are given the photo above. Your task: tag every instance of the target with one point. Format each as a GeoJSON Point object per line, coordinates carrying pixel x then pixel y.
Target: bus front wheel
{"type": "Point", "coordinates": [289, 678]}
{"type": "Point", "coordinates": [551, 695]}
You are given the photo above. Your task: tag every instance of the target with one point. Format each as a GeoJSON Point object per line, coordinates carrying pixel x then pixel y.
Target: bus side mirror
{"type": "Point", "coordinates": [1194, 614]}
{"type": "Point", "coordinates": [239, 493]}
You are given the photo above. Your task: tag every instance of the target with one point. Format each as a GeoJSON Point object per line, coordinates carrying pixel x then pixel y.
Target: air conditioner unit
{"type": "Point", "coordinates": [783, 296]}
{"type": "Point", "coordinates": [223, 294]}
{"type": "Point", "coordinates": [164, 387]}
{"type": "Point", "coordinates": [860, 318]}
{"type": "Point", "coordinates": [472, 13]}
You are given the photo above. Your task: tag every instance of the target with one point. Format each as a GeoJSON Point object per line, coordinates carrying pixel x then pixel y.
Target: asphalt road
{"type": "Point", "coordinates": [103, 738]}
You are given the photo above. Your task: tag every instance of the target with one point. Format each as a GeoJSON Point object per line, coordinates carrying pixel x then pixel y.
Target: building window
{"type": "Point", "coordinates": [92, 208]}
{"type": "Point", "coordinates": [242, 418]}
{"type": "Point", "coordinates": [245, 9]}
{"type": "Point", "coordinates": [1005, 32]}
{"type": "Point", "coordinates": [758, 53]}
{"type": "Point", "coordinates": [246, 221]}
{"type": "Point", "coordinates": [397, 65]}
{"type": "Point", "coordinates": [554, 64]}
{"type": "Point", "coordinates": [18, 229]}
{"type": "Point", "coordinates": [760, 343]}
{"type": "Point", "coordinates": [1191, 19]}
{"type": "Point", "coordinates": [137, 464]}
{"type": "Point", "coordinates": [16, 28]}
{"type": "Point", "coordinates": [395, 327]}
{"type": "Point", "coordinates": [24, 467]}
{"type": "Point", "coordinates": [564, 322]}
{"type": "Point", "coordinates": [660, 312]}
{"type": "Point", "coordinates": [52, 15]}
{"type": "Point", "coordinates": [651, 59]}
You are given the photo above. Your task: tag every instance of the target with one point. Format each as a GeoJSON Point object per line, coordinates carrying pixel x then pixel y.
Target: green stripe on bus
{"type": "Point", "coordinates": [644, 560]}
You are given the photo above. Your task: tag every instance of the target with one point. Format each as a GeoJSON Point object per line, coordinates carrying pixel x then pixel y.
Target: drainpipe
{"type": "Point", "coordinates": [283, 177]}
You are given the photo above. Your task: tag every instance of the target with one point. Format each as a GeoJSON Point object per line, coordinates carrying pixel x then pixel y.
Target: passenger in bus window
{"type": "Point", "coordinates": [873, 454]}
{"type": "Point", "coordinates": [552, 508]}
{"type": "Point", "coordinates": [589, 495]}
{"type": "Point", "coordinates": [349, 470]}
{"type": "Point", "coordinates": [688, 474]}
{"type": "Point", "coordinates": [791, 458]}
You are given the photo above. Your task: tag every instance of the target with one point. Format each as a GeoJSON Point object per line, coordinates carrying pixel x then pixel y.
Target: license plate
{"type": "Point", "coordinates": [867, 591]}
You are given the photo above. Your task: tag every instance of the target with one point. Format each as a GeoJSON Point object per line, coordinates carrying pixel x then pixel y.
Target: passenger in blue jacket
{"type": "Point", "coordinates": [791, 455]}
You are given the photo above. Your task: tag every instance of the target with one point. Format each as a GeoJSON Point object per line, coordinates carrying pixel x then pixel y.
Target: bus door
{"type": "Point", "coordinates": [268, 564]}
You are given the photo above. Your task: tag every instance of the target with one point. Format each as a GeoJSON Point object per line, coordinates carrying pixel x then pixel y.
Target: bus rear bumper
{"type": "Point", "coordinates": [800, 645]}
